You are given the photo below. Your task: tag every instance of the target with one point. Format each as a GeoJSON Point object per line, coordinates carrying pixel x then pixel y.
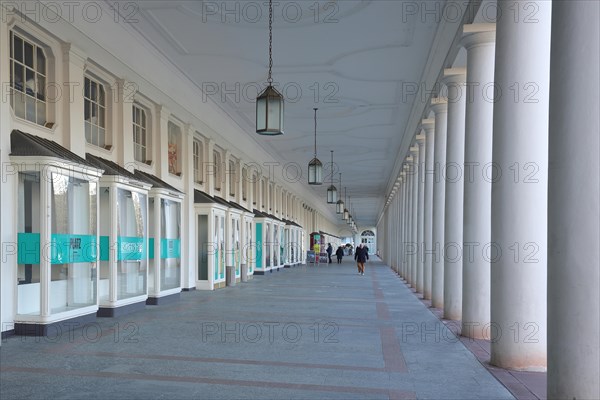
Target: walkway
{"type": "Point", "coordinates": [299, 333]}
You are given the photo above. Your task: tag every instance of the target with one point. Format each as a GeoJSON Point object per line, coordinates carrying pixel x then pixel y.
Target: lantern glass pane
{"type": "Point", "coordinates": [315, 173]}
{"type": "Point", "coordinates": [261, 114]}
{"type": "Point", "coordinates": [274, 114]}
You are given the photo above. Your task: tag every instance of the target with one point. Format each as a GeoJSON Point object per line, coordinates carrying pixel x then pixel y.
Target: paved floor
{"type": "Point", "coordinates": [299, 333]}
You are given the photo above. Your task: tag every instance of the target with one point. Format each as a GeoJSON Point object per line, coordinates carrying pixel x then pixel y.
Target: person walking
{"type": "Point", "coordinates": [329, 253]}
{"type": "Point", "coordinates": [339, 253]}
{"type": "Point", "coordinates": [361, 255]}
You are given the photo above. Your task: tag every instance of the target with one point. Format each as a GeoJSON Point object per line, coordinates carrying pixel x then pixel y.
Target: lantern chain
{"type": "Point", "coordinates": [270, 79]}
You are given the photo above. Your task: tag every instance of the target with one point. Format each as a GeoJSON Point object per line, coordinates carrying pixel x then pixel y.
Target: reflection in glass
{"type": "Point", "coordinates": [28, 264]}
{"type": "Point", "coordinates": [131, 228]}
{"type": "Point", "coordinates": [170, 273]}
{"type": "Point", "coordinates": [73, 246]}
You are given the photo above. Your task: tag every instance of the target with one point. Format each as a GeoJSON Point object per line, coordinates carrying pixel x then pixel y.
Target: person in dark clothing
{"type": "Point", "coordinates": [329, 252]}
{"type": "Point", "coordinates": [339, 253]}
{"type": "Point", "coordinates": [361, 255]}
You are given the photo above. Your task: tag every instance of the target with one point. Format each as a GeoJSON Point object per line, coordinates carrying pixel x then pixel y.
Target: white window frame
{"type": "Point", "coordinates": [244, 183]}
{"type": "Point", "coordinates": [146, 130]}
{"type": "Point", "coordinates": [197, 160]}
{"type": "Point", "coordinates": [217, 170]}
{"type": "Point", "coordinates": [88, 101]}
{"type": "Point", "coordinates": [232, 172]}
{"type": "Point", "coordinates": [40, 41]}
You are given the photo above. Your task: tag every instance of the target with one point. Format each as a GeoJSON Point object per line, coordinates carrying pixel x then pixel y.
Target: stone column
{"type": "Point", "coordinates": [409, 242]}
{"type": "Point", "coordinates": [429, 128]}
{"type": "Point", "coordinates": [405, 224]}
{"type": "Point", "coordinates": [73, 109]}
{"type": "Point", "coordinates": [454, 79]}
{"type": "Point", "coordinates": [440, 108]}
{"type": "Point", "coordinates": [519, 189]}
{"type": "Point", "coordinates": [574, 203]}
{"type": "Point", "coordinates": [420, 210]}
{"type": "Point", "coordinates": [162, 142]}
{"type": "Point", "coordinates": [396, 222]}
{"type": "Point", "coordinates": [415, 214]}
{"type": "Point", "coordinates": [401, 223]}
{"type": "Point", "coordinates": [479, 40]}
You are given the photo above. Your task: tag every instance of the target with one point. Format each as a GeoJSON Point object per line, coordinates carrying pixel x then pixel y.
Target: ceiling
{"type": "Point", "coordinates": [355, 60]}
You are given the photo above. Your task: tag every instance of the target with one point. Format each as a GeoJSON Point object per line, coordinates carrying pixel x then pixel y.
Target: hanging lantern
{"type": "Point", "coordinates": [315, 167]}
{"type": "Point", "coordinates": [269, 103]}
{"type": "Point", "coordinates": [269, 112]}
{"type": "Point", "coordinates": [339, 206]}
{"type": "Point", "coordinates": [331, 190]}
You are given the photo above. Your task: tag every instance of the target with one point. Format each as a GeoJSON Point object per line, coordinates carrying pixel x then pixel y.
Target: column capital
{"type": "Point", "coordinates": [414, 149]}
{"type": "Point", "coordinates": [428, 124]}
{"type": "Point", "coordinates": [478, 34]}
{"type": "Point", "coordinates": [454, 75]}
{"type": "Point", "coordinates": [74, 54]}
{"type": "Point", "coordinates": [439, 105]}
{"type": "Point", "coordinates": [420, 138]}
{"type": "Point", "coordinates": [163, 112]}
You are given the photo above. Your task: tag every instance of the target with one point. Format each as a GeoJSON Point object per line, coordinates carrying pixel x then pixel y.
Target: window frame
{"type": "Point", "coordinates": [232, 177]}
{"type": "Point", "coordinates": [198, 160]}
{"type": "Point", "coordinates": [90, 75]}
{"type": "Point", "coordinates": [47, 45]}
{"type": "Point", "coordinates": [148, 131]}
{"type": "Point", "coordinates": [217, 170]}
{"type": "Point", "coordinates": [244, 183]}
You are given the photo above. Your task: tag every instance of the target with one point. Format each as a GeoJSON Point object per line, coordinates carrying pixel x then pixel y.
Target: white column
{"type": "Point", "coordinates": [162, 141]}
{"type": "Point", "coordinates": [454, 79]}
{"type": "Point", "coordinates": [188, 234]}
{"type": "Point", "coordinates": [479, 40]}
{"type": "Point", "coordinates": [420, 211]}
{"type": "Point", "coordinates": [405, 224]}
{"type": "Point", "coordinates": [428, 126]}
{"type": "Point", "coordinates": [408, 251]}
{"type": "Point", "coordinates": [73, 109]}
{"type": "Point", "coordinates": [440, 108]}
{"type": "Point", "coordinates": [401, 222]}
{"type": "Point", "coordinates": [415, 213]}
{"type": "Point", "coordinates": [209, 169]}
{"type": "Point", "coordinates": [574, 203]}
{"type": "Point", "coordinates": [520, 194]}
{"type": "Point", "coordinates": [123, 120]}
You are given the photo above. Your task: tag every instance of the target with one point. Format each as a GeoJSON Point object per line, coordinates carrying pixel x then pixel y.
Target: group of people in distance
{"type": "Point", "coordinates": [361, 255]}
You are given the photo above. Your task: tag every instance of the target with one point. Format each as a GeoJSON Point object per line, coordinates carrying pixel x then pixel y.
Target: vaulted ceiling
{"type": "Point", "coordinates": [359, 61]}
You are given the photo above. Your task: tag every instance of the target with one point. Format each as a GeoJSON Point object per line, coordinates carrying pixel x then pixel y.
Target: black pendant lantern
{"type": "Point", "coordinates": [346, 215]}
{"type": "Point", "coordinates": [331, 190]}
{"type": "Point", "coordinates": [269, 104]}
{"type": "Point", "coordinates": [339, 206]}
{"type": "Point", "coordinates": [315, 167]}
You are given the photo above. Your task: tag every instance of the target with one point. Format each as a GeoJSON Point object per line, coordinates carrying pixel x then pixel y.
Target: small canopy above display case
{"type": "Point", "coordinates": [158, 185]}
{"type": "Point", "coordinates": [118, 173]}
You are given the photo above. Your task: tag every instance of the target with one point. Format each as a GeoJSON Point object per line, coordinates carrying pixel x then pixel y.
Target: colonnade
{"type": "Point", "coordinates": [498, 199]}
